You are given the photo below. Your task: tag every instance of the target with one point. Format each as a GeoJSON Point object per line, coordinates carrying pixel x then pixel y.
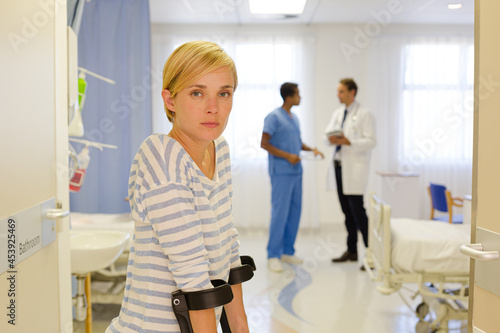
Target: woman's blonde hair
{"type": "Point", "coordinates": [191, 61]}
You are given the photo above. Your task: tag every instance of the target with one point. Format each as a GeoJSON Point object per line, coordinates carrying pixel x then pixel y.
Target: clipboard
{"type": "Point", "coordinates": [338, 133]}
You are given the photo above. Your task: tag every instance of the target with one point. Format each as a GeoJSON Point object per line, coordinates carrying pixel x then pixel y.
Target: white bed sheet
{"type": "Point", "coordinates": [114, 222]}
{"type": "Point", "coordinates": [428, 246]}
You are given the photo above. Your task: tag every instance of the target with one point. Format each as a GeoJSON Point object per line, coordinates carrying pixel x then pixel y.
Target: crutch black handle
{"type": "Point", "coordinates": [182, 302]}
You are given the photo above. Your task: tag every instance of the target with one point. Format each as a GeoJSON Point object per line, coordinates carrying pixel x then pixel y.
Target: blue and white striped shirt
{"type": "Point", "coordinates": [184, 232]}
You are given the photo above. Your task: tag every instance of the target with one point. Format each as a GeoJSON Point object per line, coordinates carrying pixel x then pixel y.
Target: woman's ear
{"type": "Point", "coordinates": [167, 99]}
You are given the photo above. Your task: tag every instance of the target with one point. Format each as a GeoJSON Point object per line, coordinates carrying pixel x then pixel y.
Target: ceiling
{"type": "Point", "coordinates": [315, 12]}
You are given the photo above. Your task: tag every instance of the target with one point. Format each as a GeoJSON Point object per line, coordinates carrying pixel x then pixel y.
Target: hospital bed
{"type": "Point", "coordinates": [107, 284]}
{"type": "Point", "coordinates": [422, 253]}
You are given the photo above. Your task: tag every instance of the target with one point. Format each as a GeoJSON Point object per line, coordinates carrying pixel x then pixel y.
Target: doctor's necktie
{"type": "Point", "coordinates": [341, 126]}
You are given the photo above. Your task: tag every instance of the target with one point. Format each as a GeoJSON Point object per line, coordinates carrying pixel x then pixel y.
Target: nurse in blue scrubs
{"type": "Point", "coordinates": [281, 139]}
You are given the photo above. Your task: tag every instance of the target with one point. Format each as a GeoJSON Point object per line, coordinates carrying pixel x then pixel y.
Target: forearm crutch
{"type": "Point", "coordinates": [221, 294]}
{"type": "Point", "coordinates": [238, 275]}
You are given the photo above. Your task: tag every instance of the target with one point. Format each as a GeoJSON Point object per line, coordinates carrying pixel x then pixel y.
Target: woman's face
{"type": "Point", "coordinates": [202, 109]}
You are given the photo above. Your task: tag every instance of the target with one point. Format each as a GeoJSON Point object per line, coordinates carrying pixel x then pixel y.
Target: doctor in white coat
{"type": "Point", "coordinates": [351, 133]}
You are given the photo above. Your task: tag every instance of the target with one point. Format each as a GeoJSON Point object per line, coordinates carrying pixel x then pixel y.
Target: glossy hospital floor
{"type": "Point", "coordinates": [317, 296]}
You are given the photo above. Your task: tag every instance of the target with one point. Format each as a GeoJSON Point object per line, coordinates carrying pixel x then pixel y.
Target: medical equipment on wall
{"type": "Point", "coordinates": [76, 124]}
{"type": "Point", "coordinates": [76, 104]}
{"type": "Point", "coordinates": [76, 182]}
{"type": "Point", "coordinates": [77, 169]}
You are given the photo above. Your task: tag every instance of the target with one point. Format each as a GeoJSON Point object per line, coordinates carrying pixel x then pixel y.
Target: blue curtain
{"type": "Point", "coordinates": [114, 41]}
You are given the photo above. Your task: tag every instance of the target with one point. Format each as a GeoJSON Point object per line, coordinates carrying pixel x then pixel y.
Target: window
{"type": "Point", "coordinates": [262, 68]}
{"type": "Point", "coordinates": [437, 118]}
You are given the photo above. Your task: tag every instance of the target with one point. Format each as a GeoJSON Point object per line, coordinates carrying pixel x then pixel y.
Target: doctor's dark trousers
{"type": "Point", "coordinates": [355, 214]}
{"type": "Point", "coordinates": [286, 202]}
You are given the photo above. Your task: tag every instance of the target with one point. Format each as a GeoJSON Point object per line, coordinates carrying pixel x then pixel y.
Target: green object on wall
{"type": "Point", "coordinates": [82, 89]}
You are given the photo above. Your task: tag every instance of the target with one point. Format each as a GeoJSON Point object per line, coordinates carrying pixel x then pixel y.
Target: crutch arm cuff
{"type": "Point", "coordinates": [242, 273]}
{"type": "Point", "coordinates": [203, 299]}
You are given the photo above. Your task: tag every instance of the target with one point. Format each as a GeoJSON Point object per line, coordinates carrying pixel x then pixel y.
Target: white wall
{"type": "Point", "coordinates": [331, 65]}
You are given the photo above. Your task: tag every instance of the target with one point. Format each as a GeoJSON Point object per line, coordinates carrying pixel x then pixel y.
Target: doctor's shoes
{"type": "Point", "coordinates": [347, 256]}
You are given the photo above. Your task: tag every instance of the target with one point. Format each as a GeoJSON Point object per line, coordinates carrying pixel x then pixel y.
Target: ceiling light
{"type": "Point", "coordinates": [455, 6]}
{"type": "Point", "coordinates": [287, 7]}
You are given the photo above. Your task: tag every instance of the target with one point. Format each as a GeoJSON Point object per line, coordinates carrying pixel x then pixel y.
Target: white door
{"type": "Point", "coordinates": [484, 303]}
{"type": "Point", "coordinates": [35, 291]}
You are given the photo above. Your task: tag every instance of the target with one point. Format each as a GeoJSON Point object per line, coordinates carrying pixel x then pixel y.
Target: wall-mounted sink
{"type": "Point", "coordinates": [92, 250]}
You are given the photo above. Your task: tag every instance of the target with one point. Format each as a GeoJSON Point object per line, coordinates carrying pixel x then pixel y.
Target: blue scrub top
{"type": "Point", "coordinates": [285, 135]}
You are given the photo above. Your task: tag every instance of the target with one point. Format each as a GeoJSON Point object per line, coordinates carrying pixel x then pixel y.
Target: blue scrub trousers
{"type": "Point", "coordinates": [286, 202]}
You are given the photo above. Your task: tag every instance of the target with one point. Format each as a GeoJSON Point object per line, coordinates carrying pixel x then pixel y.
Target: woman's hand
{"type": "Point", "coordinates": [235, 311]}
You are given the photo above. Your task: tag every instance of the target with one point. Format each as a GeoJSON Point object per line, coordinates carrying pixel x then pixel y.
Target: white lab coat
{"type": "Point", "coordinates": [359, 129]}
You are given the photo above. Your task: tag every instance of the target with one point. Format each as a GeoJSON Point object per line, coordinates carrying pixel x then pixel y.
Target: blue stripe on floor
{"type": "Point", "coordinates": [301, 280]}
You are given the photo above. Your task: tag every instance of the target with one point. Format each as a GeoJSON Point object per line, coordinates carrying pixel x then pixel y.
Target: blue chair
{"type": "Point", "coordinates": [442, 201]}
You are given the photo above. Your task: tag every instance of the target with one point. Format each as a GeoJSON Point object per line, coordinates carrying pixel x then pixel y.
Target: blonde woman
{"type": "Point", "coordinates": [180, 193]}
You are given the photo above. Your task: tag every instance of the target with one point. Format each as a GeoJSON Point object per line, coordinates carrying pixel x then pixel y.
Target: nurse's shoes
{"type": "Point", "coordinates": [274, 265]}
{"type": "Point", "coordinates": [291, 259]}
